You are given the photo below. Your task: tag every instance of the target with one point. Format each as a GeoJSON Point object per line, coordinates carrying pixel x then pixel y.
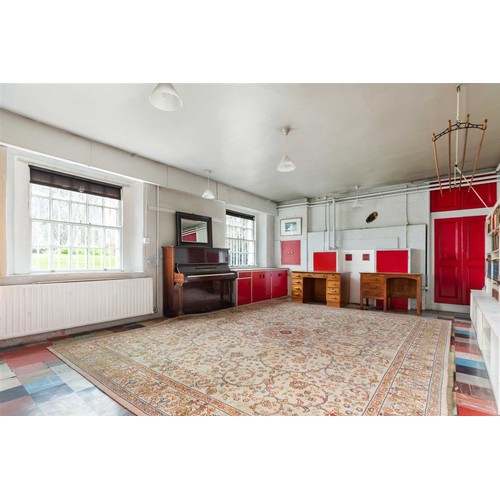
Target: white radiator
{"type": "Point", "coordinates": [37, 308]}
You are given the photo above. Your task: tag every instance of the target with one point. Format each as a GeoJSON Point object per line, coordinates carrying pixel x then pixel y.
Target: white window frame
{"type": "Point", "coordinates": [254, 240]}
{"type": "Point", "coordinates": [18, 219]}
{"type": "Point", "coordinates": [119, 227]}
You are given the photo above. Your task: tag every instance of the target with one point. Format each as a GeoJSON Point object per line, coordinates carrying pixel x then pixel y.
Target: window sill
{"type": "Point", "coordinates": [24, 279]}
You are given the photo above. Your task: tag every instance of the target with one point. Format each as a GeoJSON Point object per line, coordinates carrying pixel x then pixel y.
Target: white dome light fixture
{"type": "Point", "coordinates": [165, 97]}
{"type": "Point", "coordinates": [207, 194]}
{"type": "Point", "coordinates": [286, 165]}
{"type": "Point", "coordinates": [357, 203]}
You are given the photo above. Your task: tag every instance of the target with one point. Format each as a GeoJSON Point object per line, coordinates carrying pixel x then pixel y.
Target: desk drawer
{"type": "Point", "coordinates": [335, 280]}
{"type": "Point", "coordinates": [372, 289]}
{"type": "Point", "coordinates": [372, 278]}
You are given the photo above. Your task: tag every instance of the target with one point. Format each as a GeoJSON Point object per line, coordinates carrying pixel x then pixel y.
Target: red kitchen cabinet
{"type": "Point", "coordinates": [290, 252]}
{"type": "Point", "coordinates": [279, 283]}
{"type": "Point", "coordinates": [244, 288]}
{"type": "Point", "coordinates": [261, 285]}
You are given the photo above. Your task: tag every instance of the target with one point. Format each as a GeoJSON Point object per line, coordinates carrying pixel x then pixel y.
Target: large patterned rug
{"type": "Point", "coordinates": [273, 358]}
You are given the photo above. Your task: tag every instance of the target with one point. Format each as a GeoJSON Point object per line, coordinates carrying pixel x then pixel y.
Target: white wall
{"type": "Point", "coordinates": [289, 213]}
{"type": "Point", "coordinates": [402, 222]}
{"type": "Point", "coordinates": [25, 139]}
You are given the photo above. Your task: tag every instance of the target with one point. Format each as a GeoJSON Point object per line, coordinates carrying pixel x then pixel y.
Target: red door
{"type": "Point", "coordinates": [458, 258]}
{"type": "Point", "coordinates": [473, 256]}
{"type": "Point", "coordinates": [261, 285]}
{"type": "Point", "coordinates": [279, 283]}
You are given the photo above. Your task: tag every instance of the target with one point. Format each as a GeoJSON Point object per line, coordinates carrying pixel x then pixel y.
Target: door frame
{"type": "Point", "coordinates": [452, 214]}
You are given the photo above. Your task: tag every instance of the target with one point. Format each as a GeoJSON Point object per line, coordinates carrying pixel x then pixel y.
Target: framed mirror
{"type": "Point", "coordinates": [193, 230]}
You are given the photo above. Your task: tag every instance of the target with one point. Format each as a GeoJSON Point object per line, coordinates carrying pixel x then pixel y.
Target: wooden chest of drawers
{"type": "Point", "coordinates": [329, 288]}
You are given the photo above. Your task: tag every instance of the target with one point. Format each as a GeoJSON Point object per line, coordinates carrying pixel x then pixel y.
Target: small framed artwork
{"type": "Point", "coordinates": [291, 227]}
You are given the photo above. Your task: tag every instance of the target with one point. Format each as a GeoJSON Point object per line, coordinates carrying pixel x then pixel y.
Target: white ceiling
{"type": "Point", "coordinates": [342, 135]}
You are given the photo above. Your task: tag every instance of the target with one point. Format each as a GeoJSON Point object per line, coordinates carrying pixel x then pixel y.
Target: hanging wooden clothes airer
{"type": "Point", "coordinates": [459, 125]}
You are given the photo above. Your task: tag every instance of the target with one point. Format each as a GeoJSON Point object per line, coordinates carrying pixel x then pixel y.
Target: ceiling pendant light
{"type": "Point", "coordinates": [165, 97]}
{"type": "Point", "coordinates": [286, 165]}
{"type": "Point", "coordinates": [207, 194]}
{"type": "Point", "coordinates": [357, 203]}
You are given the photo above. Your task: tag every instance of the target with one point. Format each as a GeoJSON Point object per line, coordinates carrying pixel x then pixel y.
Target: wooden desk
{"type": "Point", "coordinates": [331, 289]}
{"type": "Point", "coordinates": [384, 286]}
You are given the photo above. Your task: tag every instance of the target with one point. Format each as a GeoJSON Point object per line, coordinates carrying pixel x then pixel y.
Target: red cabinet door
{"type": "Point", "coordinates": [290, 252]}
{"type": "Point", "coordinates": [279, 283]}
{"type": "Point", "coordinates": [463, 198]}
{"type": "Point", "coordinates": [261, 285]}
{"type": "Point", "coordinates": [458, 258]}
{"type": "Point", "coordinates": [244, 286]}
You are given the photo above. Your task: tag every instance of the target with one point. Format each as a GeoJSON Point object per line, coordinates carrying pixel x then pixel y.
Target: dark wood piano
{"type": "Point", "coordinates": [196, 279]}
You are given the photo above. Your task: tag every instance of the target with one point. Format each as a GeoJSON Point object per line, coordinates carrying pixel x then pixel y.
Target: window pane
{"type": "Point", "coordinates": [110, 217]}
{"type": "Point", "coordinates": [95, 215]}
{"type": "Point", "coordinates": [60, 210]}
{"type": "Point", "coordinates": [40, 190]}
{"type": "Point", "coordinates": [73, 237]}
{"type": "Point", "coordinates": [60, 235]}
{"type": "Point", "coordinates": [95, 200]}
{"type": "Point", "coordinates": [95, 258]}
{"type": "Point", "coordinates": [79, 258]}
{"type": "Point", "coordinates": [80, 197]}
{"type": "Point", "coordinates": [40, 259]}
{"type": "Point", "coordinates": [79, 236]}
{"type": "Point", "coordinates": [61, 194]}
{"type": "Point", "coordinates": [112, 238]}
{"type": "Point", "coordinates": [40, 208]}
{"type": "Point", "coordinates": [96, 237]}
{"type": "Point", "coordinates": [108, 202]}
{"type": "Point", "coordinates": [240, 239]}
{"type": "Point", "coordinates": [40, 234]}
{"type": "Point", "coordinates": [79, 213]}
{"type": "Point", "coordinates": [60, 259]}
{"type": "Point", "coordinates": [112, 259]}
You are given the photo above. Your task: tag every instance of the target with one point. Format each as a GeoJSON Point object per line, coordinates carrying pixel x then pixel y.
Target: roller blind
{"type": "Point", "coordinates": [72, 183]}
{"type": "Point", "coordinates": [240, 215]}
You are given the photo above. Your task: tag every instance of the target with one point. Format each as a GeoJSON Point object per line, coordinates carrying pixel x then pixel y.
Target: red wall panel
{"type": "Point", "coordinates": [325, 261]}
{"type": "Point", "coordinates": [462, 198]}
{"type": "Point", "coordinates": [290, 252]}
{"type": "Point", "coordinates": [488, 193]}
{"type": "Point", "coordinates": [393, 261]}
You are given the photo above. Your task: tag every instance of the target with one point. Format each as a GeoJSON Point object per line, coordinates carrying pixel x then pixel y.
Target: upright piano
{"type": "Point", "coordinates": [196, 279]}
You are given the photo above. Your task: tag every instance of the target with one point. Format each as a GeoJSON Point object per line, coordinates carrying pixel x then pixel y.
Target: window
{"type": "Point", "coordinates": [240, 238]}
{"type": "Point", "coordinates": [73, 230]}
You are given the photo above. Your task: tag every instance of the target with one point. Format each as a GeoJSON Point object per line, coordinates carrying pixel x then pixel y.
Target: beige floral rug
{"type": "Point", "coordinates": [273, 358]}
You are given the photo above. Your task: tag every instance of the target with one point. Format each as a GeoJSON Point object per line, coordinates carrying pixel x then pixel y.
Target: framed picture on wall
{"type": "Point", "coordinates": [291, 227]}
